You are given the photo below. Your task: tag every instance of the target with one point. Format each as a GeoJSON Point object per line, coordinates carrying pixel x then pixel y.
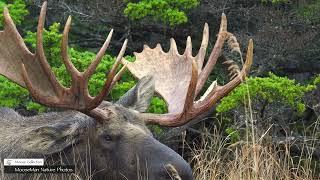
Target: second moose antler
{"type": "Point", "coordinates": [180, 78]}
{"type": "Point", "coordinates": [33, 71]}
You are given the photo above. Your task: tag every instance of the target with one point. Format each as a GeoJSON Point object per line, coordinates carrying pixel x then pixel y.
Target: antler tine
{"type": "Point", "coordinates": [9, 27]}
{"type": "Point", "coordinates": [118, 75]}
{"type": "Point", "coordinates": [117, 62]}
{"type": "Point", "coordinates": [188, 51]}
{"type": "Point", "coordinates": [210, 89]}
{"type": "Point", "coordinates": [64, 51]}
{"type": "Point", "coordinates": [191, 89]}
{"type": "Point", "coordinates": [159, 47]}
{"type": "Point", "coordinates": [173, 45]}
{"type": "Point", "coordinates": [214, 54]}
{"type": "Point", "coordinates": [7, 19]}
{"type": "Point", "coordinates": [249, 59]}
{"type": "Point", "coordinates": [98, 58]}
{"type": "Point", "coordinates": [203, 48]}
{"type": "Point", "coordinates": [40, 51]}
{"type": "Point", "coordinates": [108, 84]}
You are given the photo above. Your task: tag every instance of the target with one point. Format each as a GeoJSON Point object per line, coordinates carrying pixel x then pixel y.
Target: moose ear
{"type": "Point", "coordinates": [139, 97]}
{"type": "Point", "coordinates": [51, 139]}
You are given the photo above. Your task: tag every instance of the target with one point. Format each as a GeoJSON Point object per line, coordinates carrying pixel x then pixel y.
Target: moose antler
{"type": "Point", "coordinates": [33, 72]}
{"type": "Point", "coordinates": [180, 78]}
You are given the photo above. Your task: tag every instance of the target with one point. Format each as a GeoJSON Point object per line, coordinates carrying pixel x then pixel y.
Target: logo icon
{"type": "Point", "coordinates": [8, 162]}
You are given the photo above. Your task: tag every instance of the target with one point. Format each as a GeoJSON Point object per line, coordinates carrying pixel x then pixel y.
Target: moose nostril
{"type": "Point", "coordinates": [133, 162]}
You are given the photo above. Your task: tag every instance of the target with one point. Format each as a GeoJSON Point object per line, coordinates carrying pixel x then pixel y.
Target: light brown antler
{"type": "Point", "coordinates": [180, 78]}
{"type": "Point", "coordinates": [33, 72]}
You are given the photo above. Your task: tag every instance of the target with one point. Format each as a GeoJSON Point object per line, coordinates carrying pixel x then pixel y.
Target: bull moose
{"type": "Point", "coordinates": [108, 140]}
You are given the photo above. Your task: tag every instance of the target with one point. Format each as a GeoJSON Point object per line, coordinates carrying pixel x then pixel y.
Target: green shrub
{"type": "Point", "coordinates": [272, 89]}
{"type": "Point", "coordinates": [17, 10]}
{"type": "Point", "coordinates": [275, 1]}
{"type": "Point", "coordinates": [310, 12]}
{"type": "Point", "coordinates": [51, 43]}
{"type": "Point", "coordinates": [233, 134]}
{"type": "Point", "coordinates": [172, 12]}
{"type": "Point", "coordinates": [316, 81]}
{"type": "Point", "coordinates": [11, 94]}
{"type": "Point", "coordinates": [158, 106]}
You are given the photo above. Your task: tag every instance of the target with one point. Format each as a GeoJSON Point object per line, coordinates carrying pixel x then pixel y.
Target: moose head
{"type": "Point", "coordinates": [116, 133]}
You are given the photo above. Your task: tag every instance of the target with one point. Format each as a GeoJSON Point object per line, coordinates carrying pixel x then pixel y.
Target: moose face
{"type": "Point", "coordinates": [119, 148]}
{"type": "Point", "coordinates": [128, 148]}
{"type": "Point", "coordinates": [127, 145]}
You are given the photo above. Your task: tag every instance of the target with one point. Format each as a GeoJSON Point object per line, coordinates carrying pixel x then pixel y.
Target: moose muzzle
{"type": "Point", "coordinates": [163, 163]}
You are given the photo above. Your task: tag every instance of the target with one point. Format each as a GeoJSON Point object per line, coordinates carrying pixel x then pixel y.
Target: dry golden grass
{"type": "Point", "coordinates": [215, 159]}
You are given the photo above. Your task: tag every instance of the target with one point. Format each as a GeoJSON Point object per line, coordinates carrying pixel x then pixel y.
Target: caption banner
{"type": "Point", "coordinates": [34, 166]}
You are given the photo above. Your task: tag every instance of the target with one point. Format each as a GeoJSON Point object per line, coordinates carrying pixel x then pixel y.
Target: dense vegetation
{"type": "Point", "coordinates": [267, 90]}
{"type": "Point", "coordinates": [172, 12]}
{"type": "Point", "coordinates": [17, 10]}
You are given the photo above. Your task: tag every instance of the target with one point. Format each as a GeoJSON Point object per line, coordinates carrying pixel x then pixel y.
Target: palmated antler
{"type": "Point", "coordinates": [180, 78]}
{"type": "Point", "coordinates": [33, 72]}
